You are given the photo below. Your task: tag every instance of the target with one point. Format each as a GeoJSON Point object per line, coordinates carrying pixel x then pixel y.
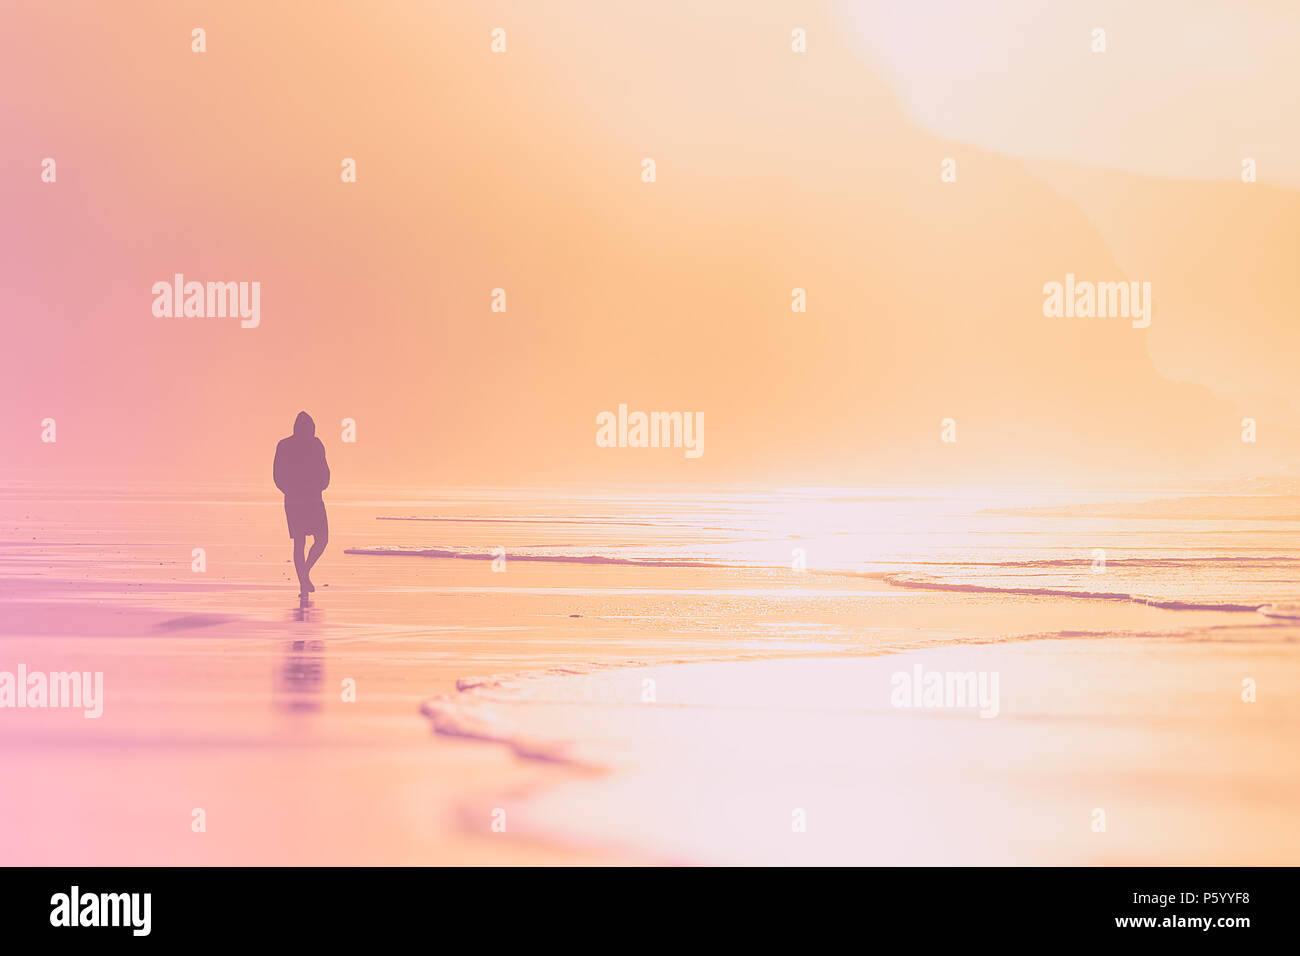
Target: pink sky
{"type": "Point", "coordinates": [522, 171]}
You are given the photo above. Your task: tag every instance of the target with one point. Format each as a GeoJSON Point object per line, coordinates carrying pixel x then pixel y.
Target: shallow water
{"type": "Point", "coordinates": [222, 692]}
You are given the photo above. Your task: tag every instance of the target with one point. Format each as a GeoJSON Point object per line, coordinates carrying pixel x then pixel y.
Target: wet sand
{"type": "Point", "coordinates": [221, 694]}
{"type": "Point", "coordinates": [1099, 752]}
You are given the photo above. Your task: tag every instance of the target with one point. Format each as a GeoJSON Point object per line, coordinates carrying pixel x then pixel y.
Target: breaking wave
{"type": "Point", "coordinates": [597, 559]}
{"type": "Point", "coordinates": [1275, 609]}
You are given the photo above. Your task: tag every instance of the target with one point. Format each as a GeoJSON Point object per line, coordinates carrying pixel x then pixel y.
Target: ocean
{"type": "Point", "coordinates": [629, 675]}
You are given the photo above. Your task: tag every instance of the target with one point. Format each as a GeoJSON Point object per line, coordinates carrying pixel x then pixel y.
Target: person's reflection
{"type": "Point", "coordinates": [301, 675]}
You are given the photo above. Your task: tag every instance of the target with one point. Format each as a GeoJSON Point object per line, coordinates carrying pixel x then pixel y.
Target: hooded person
{"type": "Point", "coordinates": [301, 472]}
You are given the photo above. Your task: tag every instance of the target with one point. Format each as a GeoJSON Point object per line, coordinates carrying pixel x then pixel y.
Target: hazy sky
{"type": "Point", "coordinates": [775, 170]}
{"type": "Point", "coordinates": [1184, 89]}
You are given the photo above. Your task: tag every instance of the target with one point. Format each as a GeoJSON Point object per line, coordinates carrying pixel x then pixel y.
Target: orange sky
{"type": "Point", "coordinates": [775, 170]}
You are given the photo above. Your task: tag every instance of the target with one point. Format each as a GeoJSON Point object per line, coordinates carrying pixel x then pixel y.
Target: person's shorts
{"type": "Point", "coordinates": [306, 516]}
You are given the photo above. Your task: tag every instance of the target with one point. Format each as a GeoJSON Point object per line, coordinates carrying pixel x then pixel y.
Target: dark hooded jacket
{"type": "Point", "coordinates": [300, 468]}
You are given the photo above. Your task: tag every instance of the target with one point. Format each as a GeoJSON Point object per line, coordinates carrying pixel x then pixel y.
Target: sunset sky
{"type": "Point", "coordinates": [522, 170]}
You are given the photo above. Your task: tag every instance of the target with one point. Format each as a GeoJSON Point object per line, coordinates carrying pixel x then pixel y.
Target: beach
{"type": "Point", "coordinates": [648, 678]}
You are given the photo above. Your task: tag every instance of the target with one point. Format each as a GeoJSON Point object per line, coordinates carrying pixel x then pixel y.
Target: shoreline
{"type": "Point", "coordinates": [223, 694]}
{"type": "Point", "coordinates": [406, 758]}
{"type": "Point", "coordinates": [1180, 757]}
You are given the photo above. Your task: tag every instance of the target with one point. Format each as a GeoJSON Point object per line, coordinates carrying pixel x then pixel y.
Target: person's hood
{"type": "Point", "coordinates": [303, 426]}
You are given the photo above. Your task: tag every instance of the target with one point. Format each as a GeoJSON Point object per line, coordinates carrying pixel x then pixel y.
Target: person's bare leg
{"type": "Point", "coordinates": [317, 549]}
{"type": "Point", "coordinates": [300, 563]}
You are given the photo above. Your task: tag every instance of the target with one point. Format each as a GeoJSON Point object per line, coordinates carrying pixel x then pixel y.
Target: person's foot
{"type": "Point", "coordinates": [310, 587]}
